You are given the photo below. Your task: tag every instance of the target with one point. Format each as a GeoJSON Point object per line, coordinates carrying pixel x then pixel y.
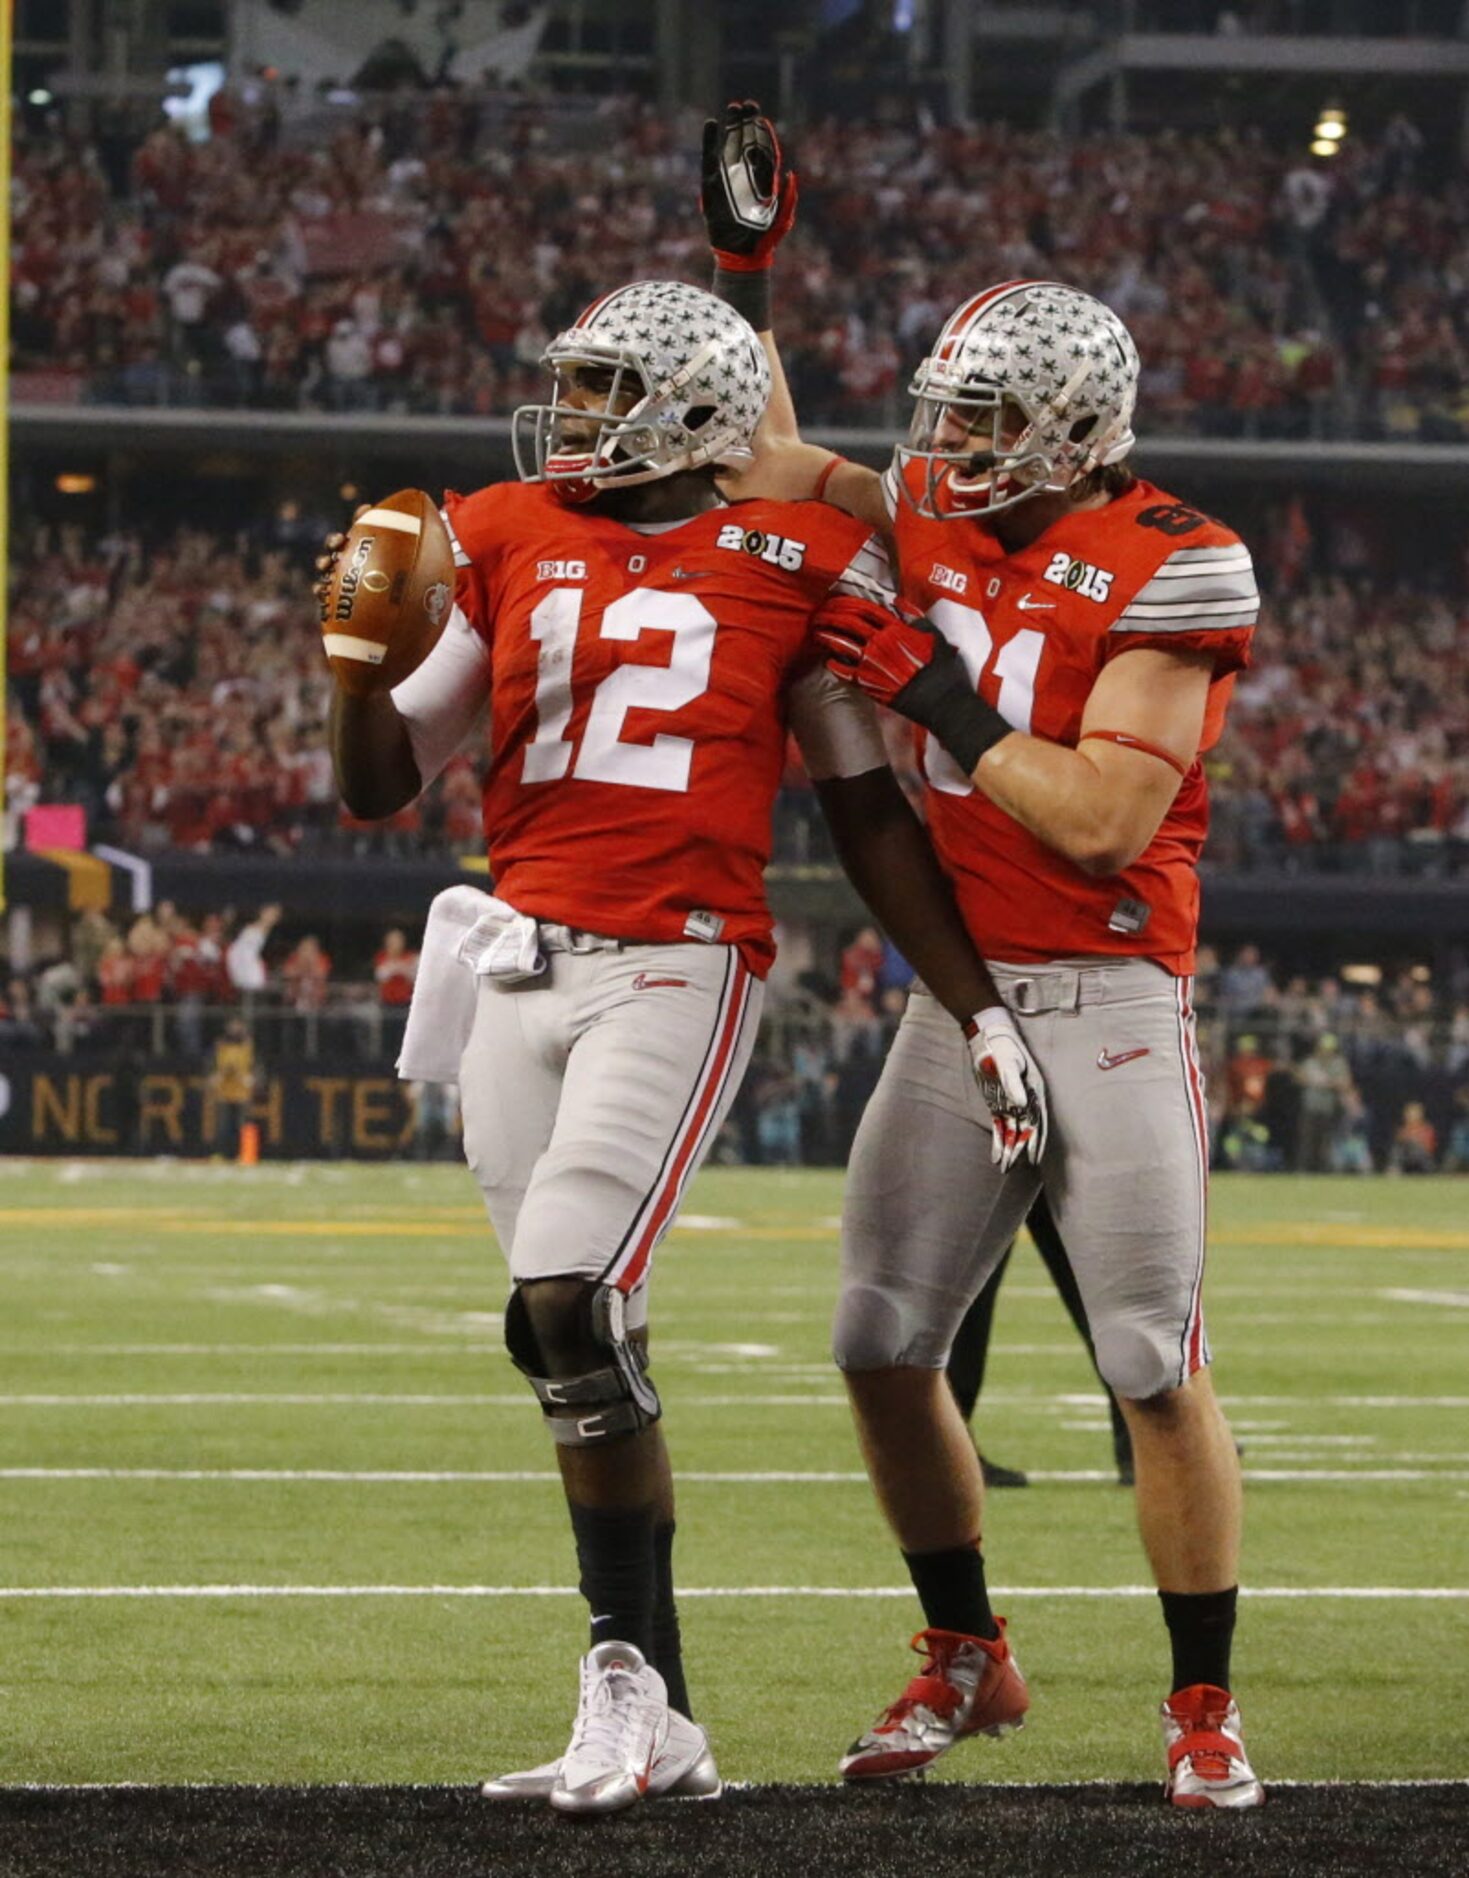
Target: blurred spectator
{"type": "Point", "coordinates": [304, 975]}
{"type": "Point", "coordinates": [1415, 1144]}
{"type": "Point", "coordinates": [394, 970]}
{"type": "Point", "coordinates": [419, 263]}
{"type": "Point", "coordinates": [245, 958]}
{"type": "Point", "coordinates": [1326, 1082]}
{"type": "Point", "coordinates": [19, 1026]}
{"type": "Point", "coordinates": [1244, 985]}
{"type": "Point", "coordinates": [232, 1085]}
{"type": "Point", "coordinates": [1351, 1146]}
{"type": "Point", "coordinates": [1456, 1151]}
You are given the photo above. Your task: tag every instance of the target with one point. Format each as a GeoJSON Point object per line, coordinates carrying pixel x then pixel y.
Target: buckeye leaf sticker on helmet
{"type": "Point", "coordinates": [651, 379]}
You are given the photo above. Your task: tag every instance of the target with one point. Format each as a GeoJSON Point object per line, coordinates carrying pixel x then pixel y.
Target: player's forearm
{"type": "Point", "coordinates": [889, 860]}
{"type": "Point", "coordinates": [372, 755]}
{"type": "Point", "coordinates": [1079, 806]}
{"type": "Point", "coordinates": [780, 423]}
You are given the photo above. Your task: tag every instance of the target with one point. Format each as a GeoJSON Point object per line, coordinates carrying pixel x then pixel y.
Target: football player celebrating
{"type": "Point", "coordinates": [1068, 653]}
{"type": "Point", "coordinates": [642, 646]}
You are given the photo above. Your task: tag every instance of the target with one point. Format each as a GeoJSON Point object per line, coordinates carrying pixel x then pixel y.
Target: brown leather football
{"type": "Point", "coordinates": [388, 594]}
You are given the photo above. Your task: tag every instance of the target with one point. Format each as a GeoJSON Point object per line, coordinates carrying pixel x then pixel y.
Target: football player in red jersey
{"type": "Point", "coordinates": [1069, 651]}
{"type": "Point", "coordinates": [642, 646]}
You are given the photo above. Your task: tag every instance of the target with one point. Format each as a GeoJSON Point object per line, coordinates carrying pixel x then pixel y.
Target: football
{"type": "Point", "coordinates": [388, 594]}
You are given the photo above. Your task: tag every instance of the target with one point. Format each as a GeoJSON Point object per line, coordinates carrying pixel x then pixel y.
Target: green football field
{"type": "Point", "coordinates": [275, 1508]}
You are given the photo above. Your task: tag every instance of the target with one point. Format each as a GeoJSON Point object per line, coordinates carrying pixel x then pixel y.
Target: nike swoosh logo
{"type": "Point", "coordinates": [1105, 1061]}
{"type": "Point", "coordinates": [1027, 605]}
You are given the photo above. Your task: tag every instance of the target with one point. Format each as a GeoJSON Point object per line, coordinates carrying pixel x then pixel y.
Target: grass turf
{"type": "Point", "coordinates": [284, 1321]}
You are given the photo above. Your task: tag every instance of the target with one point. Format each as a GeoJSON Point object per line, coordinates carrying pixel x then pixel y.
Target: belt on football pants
{"type": "Point", "coordinates": [1061, 988]}
{"type": "Point", "coordinates": [572, 939]}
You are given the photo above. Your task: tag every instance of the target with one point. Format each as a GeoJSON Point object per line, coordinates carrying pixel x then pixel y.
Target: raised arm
{"type": "Point", "coordinates": [749, 198]}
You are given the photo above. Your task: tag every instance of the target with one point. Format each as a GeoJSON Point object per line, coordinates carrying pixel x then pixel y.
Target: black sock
{"type": "Point", "coordinates": [951, 1589]}
{"type": "Point", "coordinates": [667, 1644]}
{"type": "Point", "coordinates": [1201, 1630]}
{"type": "Point", "coordinates": [614, 1548]}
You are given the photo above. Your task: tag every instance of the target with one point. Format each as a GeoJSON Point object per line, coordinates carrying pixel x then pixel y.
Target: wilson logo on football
{"type": "Point", "coordinates": [352, 577]}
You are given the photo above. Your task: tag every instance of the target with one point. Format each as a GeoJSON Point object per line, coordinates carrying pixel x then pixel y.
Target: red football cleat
{"type": "Point", "coordinates": [967, 1686]}
{"type": "Point", "coordinates": [1207, 1763]}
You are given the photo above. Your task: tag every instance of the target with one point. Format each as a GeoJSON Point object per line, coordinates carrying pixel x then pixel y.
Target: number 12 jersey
{"type": "Point", "coordinates": [641, 682]}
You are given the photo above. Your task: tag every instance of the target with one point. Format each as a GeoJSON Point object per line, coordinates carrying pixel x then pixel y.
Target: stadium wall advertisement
{"type": "Point", "coordinates": [95, 1104]}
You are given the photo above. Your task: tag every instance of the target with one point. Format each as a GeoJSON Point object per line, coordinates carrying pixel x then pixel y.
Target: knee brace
{"type": "Point", "coordinates": [618, 1399]}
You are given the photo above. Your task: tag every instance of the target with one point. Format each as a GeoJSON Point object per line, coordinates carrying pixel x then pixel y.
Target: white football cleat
{"type": "Point", "coordinates": [1207, 1763]}
{"type": "Point", "coordinates": [621, 1724]}
{"type": "Point", "coordinates": [683, 1769]}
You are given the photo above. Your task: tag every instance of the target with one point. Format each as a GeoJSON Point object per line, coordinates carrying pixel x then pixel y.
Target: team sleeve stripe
{"type": "Point", "coordinates": [1216, 564]}
{"type": "Point", "coordinates": [1176, 609]}
{"type": "Point", "coordinates": [1190, 623]}
{"type": "Point", "coordinates": [1225, 550]}
{"type": "Point", "coordinates": [1204, 591]}
{"type": "Point", "coordinates": [461, 559]}
{"type": "Point", "coordinates": [890, 493]}
{"type": "Point", "coordinates": [868, 575]}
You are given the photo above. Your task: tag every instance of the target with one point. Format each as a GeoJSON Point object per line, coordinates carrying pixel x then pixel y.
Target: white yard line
{"type": "Point", "coordinates": [1372, 1593]}
{"type": "Point", "coordinates": [340, 1398]}
{"type": "Point", "coordinates": [381, 1476]}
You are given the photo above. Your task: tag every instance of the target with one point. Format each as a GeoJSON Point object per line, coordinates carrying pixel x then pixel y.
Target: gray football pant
{"type": "Point", "coordinates": [591, 1095]}
{"type": "Point", "coordinates": [927, 1216]}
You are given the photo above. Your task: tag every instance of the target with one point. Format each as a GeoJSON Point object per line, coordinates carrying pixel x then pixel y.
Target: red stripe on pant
{"type": "Point", "coordinates": [1195, 1081]}
{"type": "Point", "coordinates": [707, 1100]}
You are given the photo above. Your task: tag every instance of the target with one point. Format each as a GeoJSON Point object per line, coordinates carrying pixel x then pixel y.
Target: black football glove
{"type": "Point", "coordinates": [748, 196]}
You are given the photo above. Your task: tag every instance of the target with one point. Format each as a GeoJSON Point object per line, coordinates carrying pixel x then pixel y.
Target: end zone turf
{"type": "Point", "coordinates": [1100, 1831]}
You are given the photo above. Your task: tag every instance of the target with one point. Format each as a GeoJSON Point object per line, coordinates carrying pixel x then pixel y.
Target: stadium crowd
{"type": "Point", "coordinates": [415, 253]}
{"type": "Point", "coordinates": [1309, 1074]}
{"type": "Point", "coordinates": [177, 693]}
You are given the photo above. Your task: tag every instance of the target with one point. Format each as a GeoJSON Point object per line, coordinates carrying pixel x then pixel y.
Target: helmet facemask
{"type": "Point", "coordinates": [986, 448]}
{"type": "Point", "coordinates": [641, 432]}
{"type": "Point", "coordinates": [1029, 389]}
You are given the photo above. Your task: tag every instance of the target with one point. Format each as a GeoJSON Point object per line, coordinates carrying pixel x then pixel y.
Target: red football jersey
{"type": "Point", "coordinates": [1035, 630]}
{"type": "Point", "coordinates": [637, 701]}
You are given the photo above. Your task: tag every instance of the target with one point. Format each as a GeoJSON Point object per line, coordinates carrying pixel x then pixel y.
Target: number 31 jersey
{"type": "Point", "coordinates": [642, 679]}
{"type": "Point", "coordinates": [1035, 630]}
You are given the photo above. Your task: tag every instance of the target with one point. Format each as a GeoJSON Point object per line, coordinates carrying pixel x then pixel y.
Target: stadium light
{"type": "Point", "coordinates": [1331, 128]}
{"type": "Point", "coordinates": [39, 96]}
{"type": "Point", "coordinates": [75, 483]}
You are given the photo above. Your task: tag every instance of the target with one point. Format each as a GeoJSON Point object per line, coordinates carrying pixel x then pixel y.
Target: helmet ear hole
{"type": "Point", "coordinates": [1082, 429]}
{"type": "Point", "coordinates": [698, 415]}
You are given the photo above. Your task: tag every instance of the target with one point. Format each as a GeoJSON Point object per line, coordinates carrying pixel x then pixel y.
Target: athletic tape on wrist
{"type": "Point", "coordinates": [747, 291]}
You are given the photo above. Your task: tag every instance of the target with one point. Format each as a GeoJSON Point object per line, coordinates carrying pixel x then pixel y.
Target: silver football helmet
{"type": "Point", "coordinates": [680, 381]}
{"type": "Point", "coordinates": [1031, 386]}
